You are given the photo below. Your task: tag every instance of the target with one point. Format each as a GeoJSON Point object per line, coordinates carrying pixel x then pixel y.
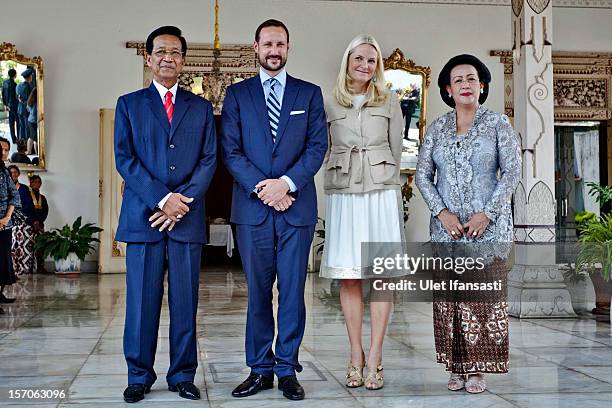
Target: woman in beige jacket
{"type": "Point", "coordinates": [362, 184]}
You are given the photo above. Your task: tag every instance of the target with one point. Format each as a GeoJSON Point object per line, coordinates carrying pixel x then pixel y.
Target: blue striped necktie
{"type": "Point", "coordinates": [274, 108]}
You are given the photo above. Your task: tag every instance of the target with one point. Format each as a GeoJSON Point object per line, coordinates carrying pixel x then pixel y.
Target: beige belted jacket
{"type": "Point", "coordinates": [365, 147]}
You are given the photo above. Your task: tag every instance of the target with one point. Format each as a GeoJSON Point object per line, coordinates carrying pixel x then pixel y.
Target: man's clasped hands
{"type": "Point", "coordinates": [272, 192]}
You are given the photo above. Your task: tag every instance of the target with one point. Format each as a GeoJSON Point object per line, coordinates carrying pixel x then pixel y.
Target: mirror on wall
{"type": "Point", "coordinates": [21, 108]}
{"type": "Point", "coordinates": [410, 83]}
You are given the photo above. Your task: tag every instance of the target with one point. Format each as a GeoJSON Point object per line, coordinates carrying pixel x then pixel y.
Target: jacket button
{"type": "Point", "coordinates": [172, 167]}
{"type": "Point", "coordinates": [172, 146]}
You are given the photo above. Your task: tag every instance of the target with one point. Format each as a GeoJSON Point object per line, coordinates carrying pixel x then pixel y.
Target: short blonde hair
{"type": "Point", "coordinates": [377, 93]}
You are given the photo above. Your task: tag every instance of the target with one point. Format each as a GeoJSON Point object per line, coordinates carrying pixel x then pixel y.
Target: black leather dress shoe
{"type": "Point", "coordinates": [252, 385]}
{"type": "Point", "coordinates": [135, 392]}
{"type": "Point", "coordinates": [186, 389]}
{"type": "Point", "coordinates": [291, 388]}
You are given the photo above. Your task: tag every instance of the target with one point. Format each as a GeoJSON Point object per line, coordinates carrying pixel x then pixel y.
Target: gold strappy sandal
{"type": "Point", "coordinates": [354, 375]}
{"type": "Point", "coordinates": [375, 379]}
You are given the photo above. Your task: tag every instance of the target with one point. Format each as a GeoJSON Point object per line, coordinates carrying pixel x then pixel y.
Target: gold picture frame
{"type": "Point", "coordinates": [8, 52]}
{"type": "Point", "coordinates": [397, 61]}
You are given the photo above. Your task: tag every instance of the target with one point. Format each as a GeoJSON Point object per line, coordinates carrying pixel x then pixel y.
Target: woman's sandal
{"type": "Point", "coordinates": [475, 384]}
{"type": "Point", "coordinates": [354, 374]}
{"type": "Point", "coordinates": [375, 379]}
{"type": "Point", "coordinates": [456, 382]}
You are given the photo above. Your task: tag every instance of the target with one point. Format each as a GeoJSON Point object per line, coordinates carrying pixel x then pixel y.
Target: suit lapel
{"type": "Point", "coordinates": [157, 107]}
{"type": "Point", "coordinates": [181, 106]}
{"type": "Point", "coordinates": [291, 91]}
{"type": "Point", "coordinates": [261, 109]}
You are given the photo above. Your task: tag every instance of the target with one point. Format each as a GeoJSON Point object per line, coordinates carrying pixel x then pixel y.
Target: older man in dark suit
{"type": "Point", "coordinates": [165, 150]}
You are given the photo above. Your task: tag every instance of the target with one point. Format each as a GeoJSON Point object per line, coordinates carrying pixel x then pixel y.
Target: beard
{"type": "Point", "coordinates": [263, 61]}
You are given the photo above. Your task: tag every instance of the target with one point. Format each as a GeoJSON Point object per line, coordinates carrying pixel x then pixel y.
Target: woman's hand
{"type": "Point", "coordinates": [451, 224]}
{"type": "Point", "coordinates": [476, 225]}
{"type": "Point", "coordinates": [4, 222]}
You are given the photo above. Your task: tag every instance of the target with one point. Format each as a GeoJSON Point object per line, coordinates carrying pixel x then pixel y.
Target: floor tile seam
{"type": "Point", "coordinates": [451, 394]}
{"type": "Point", "coordinates": [585, 393]}
{"type": "Point", "coordinates": [588, 375]}
{"type": "Point", "coordinates": [571, 334]}
{"type": "Point", "coordinates": [352, 398]}
{"type": "Point", "coordinates": [201, 361]}
{"type": "Point", "coordinates": [550, 360]}
{"type": "Point", "coordinates": [329, 372]}
{"type": "Point", "coordinates": [66, 399]}
{"type": "Point", "coordinates": [505, 399]}
{"type": "Point", "coordinates": [31, 317]}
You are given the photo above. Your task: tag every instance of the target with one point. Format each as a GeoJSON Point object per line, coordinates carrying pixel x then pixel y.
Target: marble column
{"type": "Point", "coordinates": [536, 287]}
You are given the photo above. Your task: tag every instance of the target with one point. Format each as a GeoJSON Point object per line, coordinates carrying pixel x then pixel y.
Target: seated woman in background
{"type": "Point", "coordinates": [20, 155]}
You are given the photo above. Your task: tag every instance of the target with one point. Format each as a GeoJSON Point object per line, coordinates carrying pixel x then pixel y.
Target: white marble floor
{"type": "Point", "coordinates": [65, 335]}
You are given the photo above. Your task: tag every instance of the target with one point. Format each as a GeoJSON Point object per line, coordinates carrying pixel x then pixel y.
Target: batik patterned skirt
{"type": "Point", "coordinates": [472, 337]}
{"type": "Point", "coordinates": [24, 258]}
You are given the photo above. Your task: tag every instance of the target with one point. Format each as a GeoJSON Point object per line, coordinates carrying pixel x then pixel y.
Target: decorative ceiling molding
{"type": "Point", "coordinates": [582, 84]}
{"type": "Point", "coordinates": [602, 4]}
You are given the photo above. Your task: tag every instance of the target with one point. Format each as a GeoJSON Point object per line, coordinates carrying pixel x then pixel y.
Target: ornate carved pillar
{"type": "Point", "coordinates": [535, 284]}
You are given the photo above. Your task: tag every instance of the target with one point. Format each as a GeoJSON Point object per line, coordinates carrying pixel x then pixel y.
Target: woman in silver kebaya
{"type": "Point", "coordinates": [465, 150]}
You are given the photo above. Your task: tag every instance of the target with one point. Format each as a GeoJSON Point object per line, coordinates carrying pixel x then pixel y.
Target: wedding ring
{"type": "Point", "coordinates": [474, 233]}
{"type": "Point", "coordinates": [453, 232]}
{"type": "Point", "coordinates": [179, 216]}
{"type": "Point", "coordinates": [167, 221]}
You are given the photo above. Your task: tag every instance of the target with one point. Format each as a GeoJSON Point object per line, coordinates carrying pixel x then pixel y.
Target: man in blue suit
{"type": "Point", "coordinates": [23, 93]}
{"type": "Point", "coordinates": [274, 139]}
{"type": "Point", "coordinates": [10, 102]}
{"type": "Point", "coordinates": [165, 150]}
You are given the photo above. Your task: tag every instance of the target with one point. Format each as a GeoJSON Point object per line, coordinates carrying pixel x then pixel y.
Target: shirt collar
{"type": "Point", "coordinates": [281, 77]}
{"type": "Point", "coordinates": [162, 90]}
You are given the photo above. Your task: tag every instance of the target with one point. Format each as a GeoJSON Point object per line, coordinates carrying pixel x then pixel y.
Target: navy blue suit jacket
{"type": "Point", "coordinates": [155, 159]}
{"type": "Point", "coordinates": [251, 156]}
{"type": "Point", "coordinates": [9, 94]}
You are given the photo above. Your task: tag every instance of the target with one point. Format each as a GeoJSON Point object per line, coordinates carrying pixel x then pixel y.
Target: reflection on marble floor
{"type": "Point", "coordinates": [66, 335]}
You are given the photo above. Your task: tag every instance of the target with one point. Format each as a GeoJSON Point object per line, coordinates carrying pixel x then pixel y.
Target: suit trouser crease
{"type": "Point", "coordinates": [275, 250]}
{"type": "Point", "coordinates": [146, 263]}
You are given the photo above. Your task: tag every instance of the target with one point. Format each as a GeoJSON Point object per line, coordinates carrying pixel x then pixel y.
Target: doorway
{"type": "Point", "coordinates": [580, 158]}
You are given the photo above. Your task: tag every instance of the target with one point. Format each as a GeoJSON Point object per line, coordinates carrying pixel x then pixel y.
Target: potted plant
{"type": "Point", "coordinates": [68, 246]}
{"type": "Point", "coordinates": [595, 252]}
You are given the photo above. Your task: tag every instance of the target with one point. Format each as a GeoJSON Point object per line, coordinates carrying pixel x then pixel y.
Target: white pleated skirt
{"type": "Point", "coordinates": [352, 219]}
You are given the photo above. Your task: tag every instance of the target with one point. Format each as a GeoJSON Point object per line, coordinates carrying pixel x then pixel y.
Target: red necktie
{"type": "Point", "coordinates": [169, 106]}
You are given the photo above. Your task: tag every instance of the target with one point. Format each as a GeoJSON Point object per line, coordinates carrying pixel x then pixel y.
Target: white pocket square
{"type": "Point", "coordinates": [296, 112]}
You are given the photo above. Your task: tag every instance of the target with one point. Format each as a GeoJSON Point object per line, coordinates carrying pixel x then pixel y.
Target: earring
{"type": "Point", "coordinates": [374, 79]}
{"type": "Point", "coordinates": [450, 95]}
{"type": "Point", "coordinates": [482, 91]}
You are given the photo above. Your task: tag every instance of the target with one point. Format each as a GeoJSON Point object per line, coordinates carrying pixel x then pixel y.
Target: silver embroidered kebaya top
{"type": "Point", "coordinates": [466, 173]}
